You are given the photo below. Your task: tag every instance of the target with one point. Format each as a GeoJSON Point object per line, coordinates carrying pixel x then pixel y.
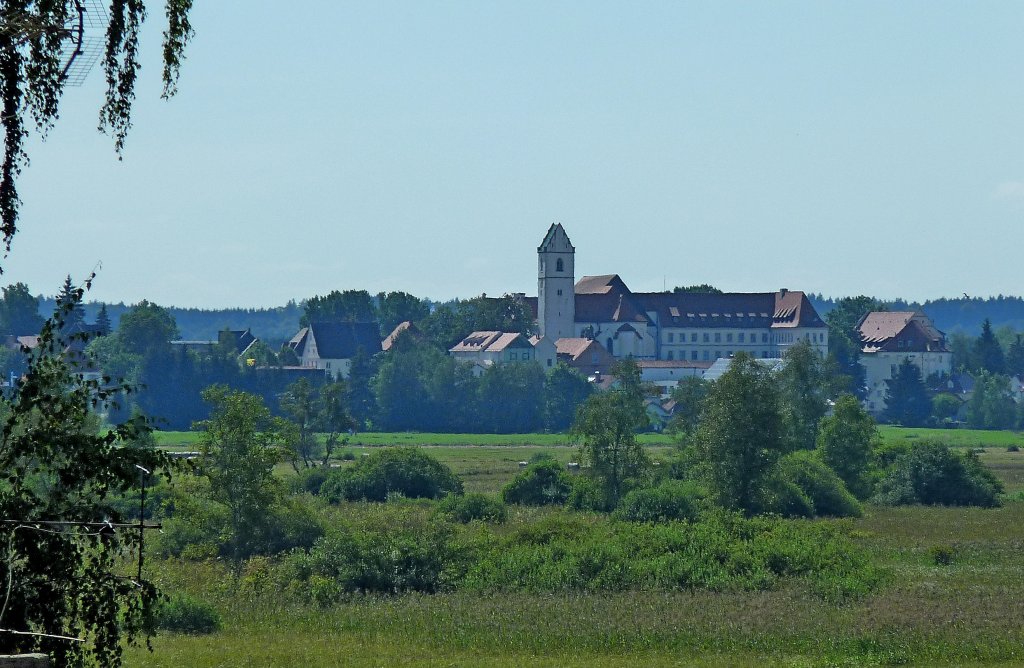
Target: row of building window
{"type": "Point", "coordinates": [513, 356]}
{"type": "Point", "coordinates": [741, 337]}
{"type": "Point", "coordinates": [705, 355]}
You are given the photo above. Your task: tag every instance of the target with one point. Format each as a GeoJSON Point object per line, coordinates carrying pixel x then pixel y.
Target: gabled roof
{"type": "Point", "coordinates": [338, 340]}
{"type": "Point", "coordinates": [913, 330]}
{"type": "Point", "coordinates": [476, 341]}
{"type": "Point", "coordinates": [490, 341]}
{"type": "Point", "coordinates": [600, 285]}
{"type": "Point", "coordinates": [406, 328]}
{"type": "Point", "coordinates": [574, 347]}
{"type": "Point", "coordinates": [785, 308]}
{"type": "Point", "coordinates": [554, 231]}
{"type": "Point", "coordinates": [509, 340]}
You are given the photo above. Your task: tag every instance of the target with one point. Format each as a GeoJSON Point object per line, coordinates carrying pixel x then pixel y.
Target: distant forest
{"type": "Point", "coordinates": [276, 325]}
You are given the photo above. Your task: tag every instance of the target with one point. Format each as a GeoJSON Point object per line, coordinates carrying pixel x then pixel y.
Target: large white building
{"type": "Point", "coordinates": [888, 338]}
{"type": "Point", "coordinates": [694, 327]}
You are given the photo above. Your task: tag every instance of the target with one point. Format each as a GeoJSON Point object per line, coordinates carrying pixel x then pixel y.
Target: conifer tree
{"type": "Point", "coordinates": [906, 398]}
{"type": "Point", "coordinates": [987, 354]}
{"type": "Point", "coordinates": [103, 321]}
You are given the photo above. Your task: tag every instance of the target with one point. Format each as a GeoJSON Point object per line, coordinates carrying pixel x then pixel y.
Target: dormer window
{"type": "Point", "coordinates": [559, 265]}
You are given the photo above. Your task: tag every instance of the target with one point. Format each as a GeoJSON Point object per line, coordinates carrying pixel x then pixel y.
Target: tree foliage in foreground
{"type": "Point", "coordinates": [59, 466]}
{"type": "Point", "coordinates": [240, 444]}
{"type": "Point", "coordinates": [32, 50]}
{"type": "Point", "coordinates": [606, 427]}
{"type": "Point", "coordinates": [741, 434]}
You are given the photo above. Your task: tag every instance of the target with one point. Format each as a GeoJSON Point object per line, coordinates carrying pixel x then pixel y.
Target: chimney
{"type": "Point", "coordinates": [783, 291]}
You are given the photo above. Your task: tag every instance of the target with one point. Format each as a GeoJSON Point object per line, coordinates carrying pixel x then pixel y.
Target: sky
{"type": "Point", "coordinates": [833, 147]}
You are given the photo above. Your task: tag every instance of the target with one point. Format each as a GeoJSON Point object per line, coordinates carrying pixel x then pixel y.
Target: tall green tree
{"type": "Point", "coordinates": [33, 47]}
{"type": "Point", "coordinates": [986, 353]}
{"type": "Point", "coordinates": [332, 416]}
{"type": "Point", "coordinates": [802, 384]}
{"type": "Point", "coordinates": [845, 443]}
{"type": "Point", "coordinates": [59, 466]}
{"type": "Point", "coordinates": [906, 397]}
{"type": "Point", "coordinates": [689, 396]}
{"type": "Point", "coordinates": [103, 326]}
{"type": "Point", "coordinates": [298, 403]}
{"type": "Point", "coordinates": [991, 405]}
{"type": "Point", "coordinates": [66, 296]}
{"type": "Point", "coordinates": [1015, 358]}
{"type": "Point", "coordinates": [346, 306]}
{"type": "Point", "coordinates": [240, 443]}
{"type": "Point", "coordinates": [511, 398]}
{"type": "Point", "coordinates": [19, 311]}
{"type": "Point", "coordinates": [146, 328]}
{"type": "Point", "coordinates": [564, 391]}
{"type": "Point", "coordinates": [606, 428]}
{"type": "Point", "coordinates": [844, 339]}
{"type": "Point", "coordinates": [396, 307]}
{"type": "Point", "coordinates": [360, 398]}
{"type": "Point", "coordinates": [741, 434]}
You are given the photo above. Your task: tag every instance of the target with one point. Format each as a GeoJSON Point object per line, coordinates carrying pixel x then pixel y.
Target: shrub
{"type": "Point", "coordinates": [410, 472]}
{"type": "Point", "coordinates": [540, 484]}
{"type": "Point", "coordinates": [182, 614]}
{"type": "Point", "coordinates": [671, 500]}
{"type": "Point", "coordinates": [587, 494]}
{"type": "Point", "coordinates": [942, 555]}
{"type": "Point", "coordinates": [473, 506]}
{"type": "Point", "coordinates": [806, 487]}
{"type": "Point", "coordinates": [389, 560]}
{"type": "Point", "coordinates": [932, 474]}
{"type": "Point", "coordinates": [309, 480]}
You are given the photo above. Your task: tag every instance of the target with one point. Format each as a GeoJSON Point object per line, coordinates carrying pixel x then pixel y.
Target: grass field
{"type": "Point", "coordinates": [188, 439]}
{"type": "Point", "coordinates": [966, 613]}
{"type": "Point", "coordinates": [967, 438]}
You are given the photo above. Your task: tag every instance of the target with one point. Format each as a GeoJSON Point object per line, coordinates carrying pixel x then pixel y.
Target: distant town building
{"type": "Point", "coordinates": [889, 337]}
{"type": "Point", "coordinates": [332, 345]}
{"type": "Point", "coordinates": [486, 348]}
{"type": "Point", "coordinates": [695, 327]}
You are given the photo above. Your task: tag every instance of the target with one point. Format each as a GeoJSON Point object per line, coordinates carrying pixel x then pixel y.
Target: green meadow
{"type": "Point", "coordinates": [968, 611]}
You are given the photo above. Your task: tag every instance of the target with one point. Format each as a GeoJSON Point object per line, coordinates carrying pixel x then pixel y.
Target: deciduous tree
{"type": "Point", "coordinates": [741, 434]}
{"type": "Point", "coordinates": [240, 444]}
{"type": "Point", "coordinates": [606, 428]}
{"type": "Point", "coordinates": [845, 441]}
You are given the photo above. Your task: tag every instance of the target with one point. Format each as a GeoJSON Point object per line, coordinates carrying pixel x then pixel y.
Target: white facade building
{"type": "Point", "coordinates": [692, 327]}
{"type": "Point", "coordinates": [890, 337]}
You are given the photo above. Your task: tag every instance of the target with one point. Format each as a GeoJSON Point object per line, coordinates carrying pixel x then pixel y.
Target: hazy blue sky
{"type": "Point", "coordinates": [853, 147]}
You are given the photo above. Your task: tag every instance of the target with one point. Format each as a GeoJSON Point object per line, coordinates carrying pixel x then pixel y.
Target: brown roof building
{"type": "Point", "coordinates": [670, 326]}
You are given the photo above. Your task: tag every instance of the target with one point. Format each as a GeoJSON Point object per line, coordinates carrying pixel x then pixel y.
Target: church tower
{"type": "Point", "coordinates": [556, 296]}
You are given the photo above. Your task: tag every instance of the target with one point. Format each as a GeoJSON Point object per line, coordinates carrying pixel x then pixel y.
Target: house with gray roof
{"type": "Point", "coordinates": [330, 346]}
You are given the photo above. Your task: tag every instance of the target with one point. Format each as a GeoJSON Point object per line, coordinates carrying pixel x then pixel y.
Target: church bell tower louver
{"type": "Point", "coordinates": [556, 296]}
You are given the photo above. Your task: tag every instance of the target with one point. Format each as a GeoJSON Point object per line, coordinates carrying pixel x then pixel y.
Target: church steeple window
{"type": "Point", "coordinates": [559, 265]}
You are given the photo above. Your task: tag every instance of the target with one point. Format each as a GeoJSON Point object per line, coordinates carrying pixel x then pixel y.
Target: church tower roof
{"type": "Point", "coordinates": [554, 232]}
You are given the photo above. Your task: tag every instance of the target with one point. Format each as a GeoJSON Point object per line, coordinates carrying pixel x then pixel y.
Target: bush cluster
{"type": "Point", "coordinates": [181, 613]}
{"type": "Point", "coordinates": [542, 483]}
{"type": "Point", "coordinates": [804, 486]}
{"type": "Point", "coordinates": [389, 559]}
{"type": "Point", "coordinates": [409, 472]}
{"type": "Point", "coordinates": [473, 506]}
{"type": "Point", "coordinates": [671, 500]}
{"type": "Point", "coordinates": [931, 474]}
